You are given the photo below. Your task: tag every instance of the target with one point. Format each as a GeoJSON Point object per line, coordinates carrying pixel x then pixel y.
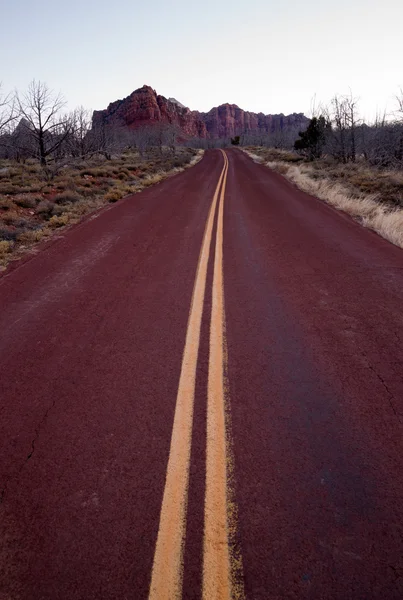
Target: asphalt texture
{"type": "Point", "coordinates": [92, 333]}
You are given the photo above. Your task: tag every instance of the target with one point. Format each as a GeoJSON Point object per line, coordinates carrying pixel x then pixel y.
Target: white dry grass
{"type": "Point", "coordinates": [154, 178]}
{"type": "Point", "coordinates": [255, 157]}
{"type": "Point", "coordinates": [388, 224]}
{"type": "Point", "coordinates": [365, 208]}
{"type": "Point", "coordinates": [197, 158]}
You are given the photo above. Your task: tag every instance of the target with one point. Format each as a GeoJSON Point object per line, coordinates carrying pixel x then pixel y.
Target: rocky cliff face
{"type": "Point", "coordinates": [144, 107]}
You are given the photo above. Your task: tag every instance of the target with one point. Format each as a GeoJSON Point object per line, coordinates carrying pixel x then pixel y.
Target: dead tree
{"type": "Point", "coordinates": [80, 142]}
{"type": "Point", "coordinates": [40, 109]}
{"type": "Point", "coordinates": [399, 150]}
{"type": "Point", "coordinates": [8, 111]}
{"type": "Point", "coordinates": [351, 109]}
{"type": "Point", "coordinates": [340, 122]}
{"type": "Point", "coordinates": [143, 138]}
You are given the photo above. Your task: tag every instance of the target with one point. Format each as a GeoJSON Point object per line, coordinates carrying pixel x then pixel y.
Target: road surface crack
{"type": "Point", "coordinates": [391, 396]}
{"type": "Point", "coordinates": [29, 455]}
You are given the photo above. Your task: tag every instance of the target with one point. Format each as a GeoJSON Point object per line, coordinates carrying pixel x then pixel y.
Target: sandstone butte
{"type": "Point", "coordinates": [144, 107]}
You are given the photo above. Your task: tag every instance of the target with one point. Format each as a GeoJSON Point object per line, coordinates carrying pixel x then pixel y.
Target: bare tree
{"type": "Point", "coordinates": [41, 109]}
{"type": "Point", "coordinates": [351, 108]}
{"type": "Point", "coordinates": [143, 139]}
{"type": "Point", "coordinates": [80, 142]}
{"type": "Point", "coordinates": [8, 112]}
{"type": "Point", "coordinates": [170, 136]}
{"type": "Point", "coordinates": [340, 127]}
{"type": "Point", "coordinates": [399, 151]}
{"type": "Point", "coordinates": [108, 138]}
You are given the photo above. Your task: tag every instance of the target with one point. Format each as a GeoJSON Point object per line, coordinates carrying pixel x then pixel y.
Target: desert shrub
{"type": "Point", "coordinates": [33, 169]}
{"type": "Point", "coordinates": [114, 195]}
{"type": "Point", "coordinates": [152, 179]}
{"type": "Point", "coordinates": [7, 187]}
{"type": "Point", "coordinates": [7, 204]}
{"type": "Point", "coordinates": [104, 171]}
{"type": "Point", "coordinates": [15, 172]}
{"type": "Point", "coordinates": [5, 248]}
{"type": "Point", "coordinates": [45, 208]}
{"type": "Point", "coordinates": [67, 197]}
{"type": "Point", "coordinates": [179, 162]}
{"type": "Point", "coordinates": [27, 201]}
{"type": "Point", "coordinates": [58, 210]}
{"type": "Point", "coordinates": [7, 235]}
{"type": "Point", "coordinates": [10, 217]}
{"type": "Point", "coordinates": [67, 183]}
{"type": "Point", "coordinates": [58, 221]}
{"type": "Point", "coordinates": [28, 237]}
{"type": "Point", "coordinates": [86, 191]}
{"type": "Point", "coordinates": [125, 190]}
{"type": "Point", "coordinates": [123, 174]}
{"type": "Point", "coordinates": [21, 223]}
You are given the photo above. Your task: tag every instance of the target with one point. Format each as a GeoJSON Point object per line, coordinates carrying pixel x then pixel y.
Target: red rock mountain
{"type": "Point", "coordinates": [144, 107]}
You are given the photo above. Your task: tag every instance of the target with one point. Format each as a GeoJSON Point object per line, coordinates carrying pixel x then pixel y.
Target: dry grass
{"type": "Point", "coordinates": [372, 197]}
{"type": "Point", "coordinates": [5, 248]}
{"type": "Point", "coordinates": [32, 206]}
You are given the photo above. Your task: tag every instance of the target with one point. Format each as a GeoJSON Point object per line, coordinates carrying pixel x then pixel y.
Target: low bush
{"type": "Point", "coordinates": [58, 221]}
{"type": "Point", "coordinates": [44, 208]}
{"type": "Point", "coordinates": [114, 195]}
{"type": "Point", "coordinates": [36, 235]}
{"type": "Point", "coordinates": [7, 235]}
{"type": "Point", "coordinates": [10, 217]}
{"type": "Point", "coordinates": [27, 201]}
{"type": "Point", "coordinates": [7, 188]}
{"type": "Point", "coordinates": [67, 198]}
{"type": "Point", "coordinates": [5, 248]}
{"type": "Point", "coordinates": [59, 209]}
{"type": "Point", "coordinates": [7, 204]}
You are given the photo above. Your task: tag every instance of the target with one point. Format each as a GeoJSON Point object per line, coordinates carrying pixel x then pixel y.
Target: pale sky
{"type": "Point", "coordinates": [264, 56]}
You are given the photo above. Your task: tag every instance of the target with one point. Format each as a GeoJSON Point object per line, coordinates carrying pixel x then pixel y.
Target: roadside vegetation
{"type": "Point", "coordinates": [355, 167]}
{"type": "Point", "coordinates": [372, 196]}
{"type": "Point", "coordinates": [33, 206]}
{"type": "Point", "coordinates": [56, 168]}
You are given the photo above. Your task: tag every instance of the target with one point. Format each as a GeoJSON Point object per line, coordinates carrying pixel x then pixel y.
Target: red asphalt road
{"type": "Point", "coordinates": [92, 331]}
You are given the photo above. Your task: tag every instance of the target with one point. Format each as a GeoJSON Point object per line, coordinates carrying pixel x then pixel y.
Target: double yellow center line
{"type": "Point", "coordinates": [167, 572]}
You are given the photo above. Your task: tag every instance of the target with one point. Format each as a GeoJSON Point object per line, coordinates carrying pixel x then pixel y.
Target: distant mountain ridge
{"type": "Point", "coordinates": [144, 107]}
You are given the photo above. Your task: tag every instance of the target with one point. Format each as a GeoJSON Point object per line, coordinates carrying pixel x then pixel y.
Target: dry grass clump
{"type": "Point", "coordinates": [152, 179]}
{"type": "Point", "coordinates": [58, 221]}
{"type": "Point", "coordinates": [7, 234]}
{"type": "Point", "coordinates": [10, 217]}
{"type": "Point", "coordinates": [364, 193]}
{"type": "Point", "coordinates": [262, 154]}
{"type": "Point", "coordinates": [27, 200]}
{"type": "Point", "coordinates": [44, 208]}
{"type": "Point", "coordinates": [31, 237]}
{"type": "Point", "coordinates": [389, 224]}
{"type": "Point", "coordinates": [5, 248]}
{"type": "Point", "coordinates": [7, 204]}
{"type": "Point", "coordinates": [114, 195]}
{"type": "Point", "coordinates": [67, 197]}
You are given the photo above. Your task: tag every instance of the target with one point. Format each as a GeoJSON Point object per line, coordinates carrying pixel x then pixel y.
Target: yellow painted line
{"type": "Point", "coordinates": [167, 572]}
{"type": "Point", "coordinates": [216, 553]}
